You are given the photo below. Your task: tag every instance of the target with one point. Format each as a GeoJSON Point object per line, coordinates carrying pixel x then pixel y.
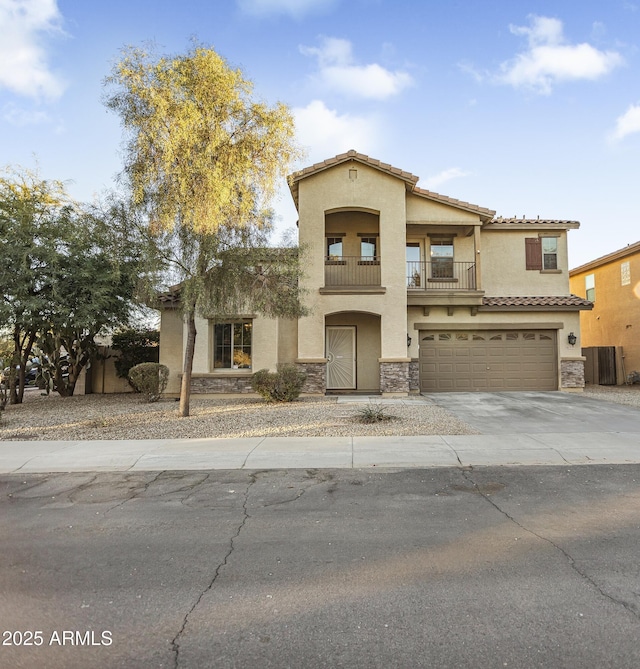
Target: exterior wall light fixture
{"type": "Point", "coordinates": [408, 340]}
{"type": "Point", "coordinates": [572, 339]}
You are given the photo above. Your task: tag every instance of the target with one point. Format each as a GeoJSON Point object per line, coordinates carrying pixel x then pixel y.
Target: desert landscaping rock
{"type": "Point", "coordinates": [127, 416]}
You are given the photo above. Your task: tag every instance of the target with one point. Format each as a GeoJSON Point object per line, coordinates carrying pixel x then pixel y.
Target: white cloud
{"type": "Point", "coordinates": [295, 8]}
{"type": "Point", "coordinates": [324, 132]}
{"type": "Point", "coordinates": [24, 67]}
{"type": "Point", "coordinates": [21, 117]}
{"type": "Point", "coordinates": [550, 60]}
{"type": "Point", "coordinates": [628, 123]}
{"type": "Point", "coordinates": [434, 182]}
{"type": "Point", "coordinates": [337, 71]}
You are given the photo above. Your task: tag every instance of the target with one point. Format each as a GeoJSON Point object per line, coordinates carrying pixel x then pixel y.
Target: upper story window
{"type": "Point", "coordinates": [334, 248]}
{"type": "Point", "coordinates": [590, 287]}
{"type": "Point", "coordinates": [549, 253]}
{"type": "Point", "coordinates": [368, 248]}
{"type": "Point", "coordinates": [541, 253]}
{"type": "Point", "coordinates": [625, 273]}
{"type": "Point", "coordinates": [442, 258]}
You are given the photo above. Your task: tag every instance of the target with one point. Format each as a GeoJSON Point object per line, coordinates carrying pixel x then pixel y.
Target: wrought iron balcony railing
{"type": "Point", "coordinates": [441, 274]}
{"type": "Point", "coordinates": [351, 271]}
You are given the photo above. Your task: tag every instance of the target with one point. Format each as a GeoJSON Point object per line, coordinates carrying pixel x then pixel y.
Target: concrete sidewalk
{"type": "Point", "coordinates": [574, 448]}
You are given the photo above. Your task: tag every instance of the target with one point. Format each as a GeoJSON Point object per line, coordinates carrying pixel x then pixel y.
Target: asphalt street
{"type": "Point", "coordinates": [449, 567]}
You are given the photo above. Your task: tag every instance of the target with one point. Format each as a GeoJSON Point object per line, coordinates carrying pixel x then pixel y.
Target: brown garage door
{"type": "Point", "coordinates": [488, 361]}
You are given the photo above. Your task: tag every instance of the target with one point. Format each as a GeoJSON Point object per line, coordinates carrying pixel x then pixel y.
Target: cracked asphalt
{"type": "Point", "coordinates": [450, 567]}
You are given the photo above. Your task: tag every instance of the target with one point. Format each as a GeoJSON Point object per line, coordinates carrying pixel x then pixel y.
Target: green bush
{"type": "Point", "coordinates": [285, 385]}
{"type": "Point", "coordinates": [135, 346]}
{"type": "Point", "coordinates": [149, 378]}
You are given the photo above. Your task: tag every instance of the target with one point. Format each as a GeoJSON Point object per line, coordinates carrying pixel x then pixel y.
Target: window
{"type": "Point", "coordinates": [232, 345]}
{"type": "Point", "coordinates": [334, 248]}
{"type": "Point", "coordinates": [368, 248]}
{"type": "Point", "coordinates": [442, 258]}
{"type": "Point", "coordinates": [541, 253]}
{"type": "Point", "coordinates": [549, 253]}
{"type": "Point", "coordinates": [625, 273]}
{"type": "Point", "coordinates": [590, 287]}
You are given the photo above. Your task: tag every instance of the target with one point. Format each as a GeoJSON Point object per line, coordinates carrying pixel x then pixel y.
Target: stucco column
{"type": "Point", "coordinates": [477, 252]}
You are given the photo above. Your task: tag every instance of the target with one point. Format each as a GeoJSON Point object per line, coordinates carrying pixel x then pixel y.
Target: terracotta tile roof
{"type": "Point", "coordinates": [410, 179]}
{"type": "Point", "coordinates": [572, 301]}
{"type": "Point", "coordinates": [483, 211]}
{"type": "Point", "coordinates": [353, 155]}
{"type": "Point", "coordinates": [526, 222]}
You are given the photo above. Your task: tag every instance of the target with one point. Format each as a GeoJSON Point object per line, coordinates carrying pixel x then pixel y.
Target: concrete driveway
{"type": "Point", "coordinates": [538, 412]}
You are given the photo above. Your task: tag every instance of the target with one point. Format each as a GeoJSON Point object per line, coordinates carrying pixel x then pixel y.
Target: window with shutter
{"type": "Point", "coordinates": [533, 253]}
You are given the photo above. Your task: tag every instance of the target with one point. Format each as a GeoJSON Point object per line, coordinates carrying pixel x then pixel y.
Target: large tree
{"type": "Point", "coordinates": [33, 211]}
{"type": "Point", "coordinates": [93, 277]}
{"type": "Point", "coordinates": [203, 158]}
{"type": "Point", "coordinates": [67, 273]}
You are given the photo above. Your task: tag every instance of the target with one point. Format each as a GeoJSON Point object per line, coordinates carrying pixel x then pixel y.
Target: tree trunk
{"type": "Point", "coordinates": [22, 351]}
{"type": "Point", "coordinates": [185, 389]}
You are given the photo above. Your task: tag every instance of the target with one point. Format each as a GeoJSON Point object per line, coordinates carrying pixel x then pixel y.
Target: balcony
{"type": "Point", "coordinates": [352, 274]}
{"type": "Point", "coordinates": [443, 283]}
{"type": "Point", "coordinates": [441, 275]}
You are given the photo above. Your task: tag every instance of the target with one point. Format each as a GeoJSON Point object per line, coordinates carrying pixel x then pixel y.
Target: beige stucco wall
{"type": "Point", "coordinates": [423, 210]}
{"type": "Point", "coordinates": [287, 340]}
{"type": "Point", "coordinates": [615, 318]}
{"type": "Point", "coordinates": [171, 346]}
{"type": "Point", "coordinates": [335, 190]}
{"type": "Point", "coordinates": [504, 265]}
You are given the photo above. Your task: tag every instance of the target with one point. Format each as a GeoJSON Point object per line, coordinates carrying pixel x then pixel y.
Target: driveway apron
{"type": "Point", "coordinates": [538, 412]}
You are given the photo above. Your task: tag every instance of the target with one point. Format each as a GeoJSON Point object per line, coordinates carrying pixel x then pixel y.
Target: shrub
{"type": "Point", "coordinates": [135, 346]}
{"type": "Point", "coordinates": [285, 385]}
{"type": "Point", "coordinates": [373, 413]}
{"type": "Point", "coordinates": [149, 378]}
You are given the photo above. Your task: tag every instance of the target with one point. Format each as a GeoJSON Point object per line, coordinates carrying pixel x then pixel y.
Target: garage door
{"type": "Point", "coordinates": [488, 361]}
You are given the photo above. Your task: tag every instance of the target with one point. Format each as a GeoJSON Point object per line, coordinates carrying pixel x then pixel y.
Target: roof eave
{"type": "Point", "coordinates": [627, 251]}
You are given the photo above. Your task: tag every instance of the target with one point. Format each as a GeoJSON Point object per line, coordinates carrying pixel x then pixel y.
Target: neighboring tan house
{"type": "Point", "coordinates": [409, 291]}
{"type": "Point", "coordinates": [612, 283]}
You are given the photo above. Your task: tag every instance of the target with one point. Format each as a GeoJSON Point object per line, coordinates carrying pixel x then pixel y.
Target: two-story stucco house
{"type": "Point", "coordinates": [612, 283]}
{"type": "Point", "coordinates": [409, 291]}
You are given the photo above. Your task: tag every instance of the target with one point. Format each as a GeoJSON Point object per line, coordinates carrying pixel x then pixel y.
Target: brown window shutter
{"type": "Point", "coordinates": [533, 253]}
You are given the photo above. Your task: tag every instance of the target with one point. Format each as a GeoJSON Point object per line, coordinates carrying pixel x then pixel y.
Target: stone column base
{"type": "Point", "coordinates": [394, 377]}
{"type": "Point", "coordinates": [316, 383]}
{"type": "Point", "coordinates": [414, 376]}
{"type": "Point", "coordinates": [572, 374]}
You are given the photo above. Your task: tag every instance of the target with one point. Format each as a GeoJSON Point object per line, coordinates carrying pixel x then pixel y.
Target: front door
{"type": "Point", "coordinates": [341, 357]}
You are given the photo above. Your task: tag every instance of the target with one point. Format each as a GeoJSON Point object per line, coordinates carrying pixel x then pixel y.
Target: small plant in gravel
{"type": "Point", "coordinates": [150, 379]}
{"type": "Point", "coordinates": [285, 385]}
{"type": "Point", "coordinates": [372, 413]}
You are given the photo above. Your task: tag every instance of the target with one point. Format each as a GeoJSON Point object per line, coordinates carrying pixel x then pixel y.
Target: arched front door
{"type": "Point", "coordinates": [341, 357]}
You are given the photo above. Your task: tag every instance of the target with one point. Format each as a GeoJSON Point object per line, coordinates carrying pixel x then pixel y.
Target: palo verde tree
{"type": "Point", "coordinates": [202, 162]}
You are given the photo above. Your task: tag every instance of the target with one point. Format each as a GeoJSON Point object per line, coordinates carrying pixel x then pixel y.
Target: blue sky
{"type": "Point", "coordinates": [525, 107]}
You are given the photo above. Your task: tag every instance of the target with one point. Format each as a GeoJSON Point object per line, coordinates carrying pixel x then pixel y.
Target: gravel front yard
{"type": "Point", "coordinates": [126, 416]}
